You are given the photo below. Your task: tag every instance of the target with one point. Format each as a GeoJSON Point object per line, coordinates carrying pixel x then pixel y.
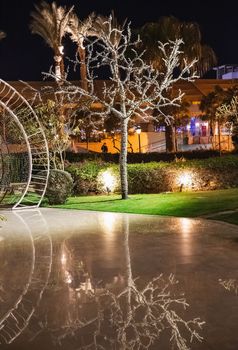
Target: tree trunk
{"type": "Point", "coordinates": [169, 138]}
{"type": "Point", "coordinates": [123, 159]}
{"type": "Point", "coordinates": [175, 139]}
{"type": "Point", "coordinates": [128, 274]}
{"type": "Point", "coordinates": [61, 111]}
{"type": "Point", "coordinates": [59, 66]}
{"type": "Point", "coordinates": [83, 67]}
{"type": "Point", "coordinates": [219, 135]}
{"type": "Point", "coordinates": [57, 71]}
{"type": "Point", "coordinates": [62, 70]}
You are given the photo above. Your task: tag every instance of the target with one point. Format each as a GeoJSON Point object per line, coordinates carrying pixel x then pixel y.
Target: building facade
{"type": "Point", "coordinates": [196, 134]}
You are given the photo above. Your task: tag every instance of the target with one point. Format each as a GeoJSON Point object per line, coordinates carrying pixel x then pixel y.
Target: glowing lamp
{"type": "Point", "coordinates": [185, 180]}
{"type": "Point", "coordinates": [108, 180]}
{"type": "Point", "coordinates": [138, 131]}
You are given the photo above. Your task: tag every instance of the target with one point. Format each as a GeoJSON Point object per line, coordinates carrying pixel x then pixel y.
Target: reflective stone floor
{"type": "Point", "coordinates": [84, 280]}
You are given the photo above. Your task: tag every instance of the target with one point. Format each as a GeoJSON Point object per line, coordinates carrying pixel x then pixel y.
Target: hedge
{"type": "Point", "coordinates": [85, 176]}
{"type": "Point", "coordinates": [156, 177]}
{"type": "Point", "coordinates": [140, 157]}
{"type": "Point", "coordinates": [15, 167]}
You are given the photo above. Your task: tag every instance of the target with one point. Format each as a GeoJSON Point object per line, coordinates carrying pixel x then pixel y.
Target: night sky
{"type": "Point", "coordinates": [25, 56]}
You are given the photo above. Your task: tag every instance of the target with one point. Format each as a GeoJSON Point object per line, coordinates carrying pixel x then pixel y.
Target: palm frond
{"type": "Point", "coordinates": [78, 30]}
{"type": "Point", "coordinates": [170, 28]}
{"type": "Point", "coordinates": [50, 22]}
{"type": "Point", "coordinates": [208, 59]}
{"type": "Point", "coordinates": [103, 25]}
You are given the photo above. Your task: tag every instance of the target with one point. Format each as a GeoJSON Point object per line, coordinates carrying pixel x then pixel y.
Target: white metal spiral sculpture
{"type": "Point", "coordinates": [22, 138]}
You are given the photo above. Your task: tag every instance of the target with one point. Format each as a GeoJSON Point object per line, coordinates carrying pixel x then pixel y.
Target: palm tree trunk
{"type": "Point", "coordinates": [59, 66]}
{"type": "Point", "coordinates": [83, 67]}
{"type": "Point", "coordinates": [57, 71]}
{"type": "Point", "coordinates": [62, 70]}
{"type": "Point", "coordinates": [123, 159]}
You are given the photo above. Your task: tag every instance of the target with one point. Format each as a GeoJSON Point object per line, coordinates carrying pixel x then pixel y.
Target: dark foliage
{"type": "Point", "coordinates": [140, 157]}
{"type": "Point", "coordinates": [59, 187]}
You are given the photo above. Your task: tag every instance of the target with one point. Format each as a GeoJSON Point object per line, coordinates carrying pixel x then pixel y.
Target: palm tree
{"type": "Point", "coordinates": [79, 31]}
{"type": "Point", "coordinates": [2, 35]}
{"type": "Point", "coordinates": [103, 25]}
{"type": "Point", "coordinates": [209, 105]}
{"type": "Point", "coordinates": [93, 25]}
{"type": "Point", "coordinates": [171, 28]}
{"type": "Point", "coordinates": [50, 22]}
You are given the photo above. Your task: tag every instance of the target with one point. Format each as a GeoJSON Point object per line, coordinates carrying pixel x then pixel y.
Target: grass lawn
{"type": "Point", "coordinates": [185, 204]}
{"type": "Point", "coordinates": [232, 218]}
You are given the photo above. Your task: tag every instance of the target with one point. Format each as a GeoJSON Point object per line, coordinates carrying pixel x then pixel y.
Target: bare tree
{"type": "Point", "coordinates": [227, 110]}
{"type": "Point", "coordinates": [230, 284]}
{"type": "Point", "coordinates": [134, 88]}
{"type": "Point", "coordinates": [228, 114]}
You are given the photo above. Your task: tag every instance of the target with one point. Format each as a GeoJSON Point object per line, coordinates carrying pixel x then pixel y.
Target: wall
{"type": "Point", "coordinates": [150, 142]}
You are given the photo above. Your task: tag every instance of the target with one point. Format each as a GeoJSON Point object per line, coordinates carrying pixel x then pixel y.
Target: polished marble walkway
{"type": "Point", "coordinates": [85, 280]}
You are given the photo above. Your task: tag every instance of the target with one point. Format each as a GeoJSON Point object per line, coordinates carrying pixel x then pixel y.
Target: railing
{"type": "Point", "coordinates": [157, 146]}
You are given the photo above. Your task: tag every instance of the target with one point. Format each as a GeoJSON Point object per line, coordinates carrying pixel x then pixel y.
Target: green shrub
{"type": "Point", "coordinates": [147, 178]}
{"type": "Point", "coordinates": [85, 176]}
{"type": "Point", "coordinates": [59, 187]}
{"type": "Point", "coordinates": [156, 177]}
{"type": "Point", "coordinates": [204, 174]}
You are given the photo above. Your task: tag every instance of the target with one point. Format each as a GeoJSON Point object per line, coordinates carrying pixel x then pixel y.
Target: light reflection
{"type": "Point", "coordinates": [63, 259]}
{"type": "Point", "coordinates": [91, 300]}
{"type": "Point", "coordinates": [186, 226]}
{"type": "Point", "coordinates": [68, 277]}
{"type": "Point", "coordinates": [66, 262]}
{"type": "Point", "coordinates": [186, 230]}
{"type": "Point", "coordinates": [138, 309]}
{"type": "Point", "coordinates": [108, 223]}
{"type": "Point", "coordinates": [75, 274]}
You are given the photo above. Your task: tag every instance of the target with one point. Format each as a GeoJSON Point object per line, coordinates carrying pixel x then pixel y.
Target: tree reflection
{"type": "Point", "coordinates": [230, 284]}
{"type": "Point", "coordinates": [127, 313]}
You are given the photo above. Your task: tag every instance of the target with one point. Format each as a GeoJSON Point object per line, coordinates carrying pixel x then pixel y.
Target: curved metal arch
{"type": "Point", "coordinates": [37, 147]}
{"type": "Point", "coordinates": [17, 318]}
